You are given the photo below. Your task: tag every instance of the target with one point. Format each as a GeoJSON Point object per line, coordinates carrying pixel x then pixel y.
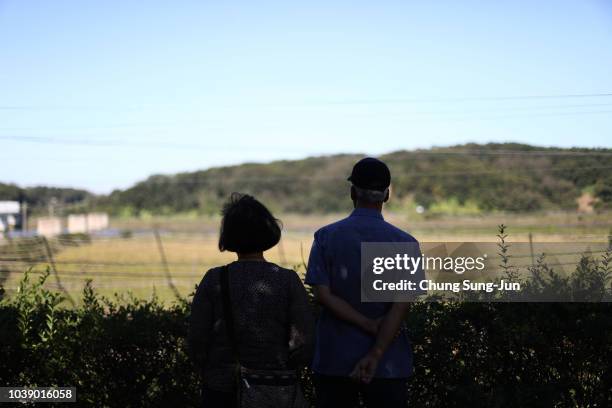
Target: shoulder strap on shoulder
{"type": "Point", "coordinates": [227, 312]}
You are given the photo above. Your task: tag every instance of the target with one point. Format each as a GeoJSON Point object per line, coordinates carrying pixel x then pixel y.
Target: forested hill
{"type": "Point", "coordinates": [40, 198]}
{"type": "Point", "coordinates": [507, 177]}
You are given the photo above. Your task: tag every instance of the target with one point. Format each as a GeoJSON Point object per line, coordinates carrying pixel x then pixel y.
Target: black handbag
{"type": "Point", "coordinates": [259, 388]}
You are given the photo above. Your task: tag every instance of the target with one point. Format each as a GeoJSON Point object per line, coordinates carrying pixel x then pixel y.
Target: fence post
{"type": "Point", "coordinates": [162, 254]}
{"type": "Point", "coordinates": [531, 249]}
{"type": "Point", "coordinates": [54, 269]}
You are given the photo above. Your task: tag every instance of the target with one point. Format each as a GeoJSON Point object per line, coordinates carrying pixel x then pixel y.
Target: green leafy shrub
{"type": "Point", "coordinates": [132, 353]}
{"type": "Point", "coordinates": [128, 354]}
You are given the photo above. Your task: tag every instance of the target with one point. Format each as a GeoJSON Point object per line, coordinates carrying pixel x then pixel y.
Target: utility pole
{"type": "Point", "coordinates": [531, 249]}
{"type": "Point", "coordinates": [52, 204]}
{"type": "Point", "coordinates": [24, 216]}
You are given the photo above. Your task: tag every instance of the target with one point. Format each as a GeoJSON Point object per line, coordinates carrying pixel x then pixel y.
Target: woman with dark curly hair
{"type": "Point", "coordinates": [251, 324]}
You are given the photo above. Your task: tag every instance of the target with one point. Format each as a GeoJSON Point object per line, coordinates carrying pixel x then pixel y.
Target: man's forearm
{"type": "Point", "coordinates": [344, 311]}
{"type": "Point", "coordinates": [366, 367]}
{"type": "Point", "coordinates": [389, 327]}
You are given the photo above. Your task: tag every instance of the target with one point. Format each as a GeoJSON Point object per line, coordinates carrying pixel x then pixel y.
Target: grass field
{"type": "Point", "coordinates": [131, 261]}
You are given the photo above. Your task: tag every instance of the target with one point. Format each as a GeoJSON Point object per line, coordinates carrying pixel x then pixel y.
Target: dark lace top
{"type": "Point", "coordinates": [272, 317]}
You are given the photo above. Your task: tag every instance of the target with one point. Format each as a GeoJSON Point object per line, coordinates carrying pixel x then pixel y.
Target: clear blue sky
{"type": "Point", "coordinates": [102, 94]}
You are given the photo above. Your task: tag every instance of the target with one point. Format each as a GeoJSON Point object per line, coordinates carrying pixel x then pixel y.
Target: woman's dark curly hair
{"type": "Point", "coordinates": [247, 226]}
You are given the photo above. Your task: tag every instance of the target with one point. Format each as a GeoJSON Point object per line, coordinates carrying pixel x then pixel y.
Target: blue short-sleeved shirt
{"type": "Point", "coordinates": [335, 261]}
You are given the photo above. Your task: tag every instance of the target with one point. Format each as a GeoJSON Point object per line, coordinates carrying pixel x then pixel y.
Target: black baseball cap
{"type": "Point", "coordinates": [371, 174]}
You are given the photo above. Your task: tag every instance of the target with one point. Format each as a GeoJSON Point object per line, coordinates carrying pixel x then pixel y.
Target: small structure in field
{"type": "Point", "coordinates": [97, 221]}
{"type": "Point", "coordinates": [586, 203]}
{"type": "Point", "coordinates": [82, 223]}
{"type": "Point", "coordinates": [49, 226]}
{"type": "Point", "coordinates": [10, 215]}
{"type": "Point", "coordinates": [77, 223]}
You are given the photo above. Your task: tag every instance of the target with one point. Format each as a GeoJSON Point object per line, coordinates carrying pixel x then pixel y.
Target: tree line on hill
{"type": "Point", "coordinates": [491, 177]}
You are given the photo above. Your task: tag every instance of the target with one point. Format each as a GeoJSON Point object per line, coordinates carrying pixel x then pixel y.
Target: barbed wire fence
{"type": "Point", "coordinates": [20, 254]}
{"type": "Point", "coordinates": [157, 267]}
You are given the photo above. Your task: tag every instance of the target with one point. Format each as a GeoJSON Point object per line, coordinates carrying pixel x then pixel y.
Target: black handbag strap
{"type": "Point", "coordinates": [227, 313]}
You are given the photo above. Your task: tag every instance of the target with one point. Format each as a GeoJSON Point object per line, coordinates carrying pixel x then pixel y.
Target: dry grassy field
{"type": "Point", "coordinates": [130, 262]}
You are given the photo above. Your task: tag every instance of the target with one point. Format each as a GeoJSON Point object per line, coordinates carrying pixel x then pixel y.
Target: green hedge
{"type": "Point", "coordinates": [131, 353]}
{"type": "Point", "coordinates": [128, 353]}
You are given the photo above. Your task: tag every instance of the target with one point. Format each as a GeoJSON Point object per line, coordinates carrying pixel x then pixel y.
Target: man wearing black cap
{"type": "Point", "coordinates": [358, 348]}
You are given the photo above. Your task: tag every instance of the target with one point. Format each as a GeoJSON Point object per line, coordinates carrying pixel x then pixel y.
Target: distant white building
{"type": "Point", "coordinates": [77, 223]}
{"type": "Point", "coordinates": [97, 221]}
{"type": "Point", "coordinates": [10, 215]}
{"type": "Point", "coordinates": [81, 223]}
{"type": "Point", "coordinates": [49, 226]}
